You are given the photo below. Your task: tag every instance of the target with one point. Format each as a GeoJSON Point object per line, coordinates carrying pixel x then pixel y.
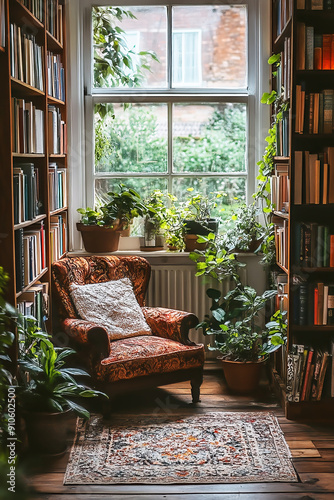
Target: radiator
{"type": "Point", "coordinates": [177, 287]}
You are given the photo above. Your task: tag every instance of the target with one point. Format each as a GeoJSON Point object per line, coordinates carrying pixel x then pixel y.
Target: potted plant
{"type": "Point", "coordinates": [154, 220]}
{"type": "Point", "coordinates": [101, 228]}
{"type": "Point", "coordinates": [198, 220]}
{"type": "Point", "coordinates": [244, 345]}
{"type": "Point", "coordinates": [48, 391]}
{"type": "Point", "coordinates": [245, 232]}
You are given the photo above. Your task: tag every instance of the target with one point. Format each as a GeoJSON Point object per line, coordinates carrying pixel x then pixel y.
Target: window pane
{"type": "Point", "coordinates": [209, 137]}
{"type": "Point", "coordinates": [144, 186]}
{"type": "Point", "coordinates": [233, 190]}
{"type": "Point", "coordinates": [134, 140]}
{"type": "Point", "coordinates": [145, 32]}
{"type": "Point", "coordinates": [219, 46]}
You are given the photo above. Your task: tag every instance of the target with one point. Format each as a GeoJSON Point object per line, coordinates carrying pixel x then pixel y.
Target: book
{"type": "Point", "coordinates": [321, 376]}
{"type": "Point", "coordinates": [298, 177]}
{"type": "Point", "coordinates": [307, 374]}
{"type": "Point", "coordinates": [330, 305]}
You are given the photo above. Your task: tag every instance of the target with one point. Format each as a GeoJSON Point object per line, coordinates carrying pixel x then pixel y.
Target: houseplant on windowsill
{"type": "Point", "coordinates": [198, 220]}
{"type": "Point", "coordinates": [244, 232]}
{"type": "Point", "coordinates": [244, 344]}
{"type": "Point", "coordinates": [101, 228]}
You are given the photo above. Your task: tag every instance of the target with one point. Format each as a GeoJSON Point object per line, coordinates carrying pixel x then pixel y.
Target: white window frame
{"type": "Point", "coordinates": [80, 125]}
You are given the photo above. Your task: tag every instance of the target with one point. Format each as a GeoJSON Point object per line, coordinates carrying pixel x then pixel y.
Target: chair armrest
{"type": "Point", "coordinates": [88, 334]}
{"type": "Point", "coordinates": [170, 324]}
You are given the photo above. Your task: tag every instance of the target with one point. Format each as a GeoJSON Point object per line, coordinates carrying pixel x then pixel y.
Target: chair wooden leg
{"type": "Point", "coordinates": [196, 383]}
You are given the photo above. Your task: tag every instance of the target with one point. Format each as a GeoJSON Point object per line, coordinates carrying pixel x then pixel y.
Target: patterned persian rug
{"type": "Point", "coordinates": [211, 448]}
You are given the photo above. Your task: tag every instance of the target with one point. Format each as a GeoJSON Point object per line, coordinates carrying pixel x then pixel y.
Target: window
{"type": "Point", "coordinates": [184, 123]}
{"type": "Point", "coordinates": [186, 58]}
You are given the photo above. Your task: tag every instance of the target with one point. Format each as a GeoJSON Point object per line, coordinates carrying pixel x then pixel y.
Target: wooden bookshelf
{"type": "Point", "coordinates": [305, 215]}
{"type": "Point", "coordinates": [20, 147]}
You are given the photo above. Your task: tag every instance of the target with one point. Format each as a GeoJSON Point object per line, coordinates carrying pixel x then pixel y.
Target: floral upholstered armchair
{"type": "Point", "coordinates": [162, 355]}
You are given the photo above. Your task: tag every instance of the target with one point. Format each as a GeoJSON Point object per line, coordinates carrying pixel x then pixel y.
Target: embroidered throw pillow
{"type": "Point", "coordinates": [112, 305]}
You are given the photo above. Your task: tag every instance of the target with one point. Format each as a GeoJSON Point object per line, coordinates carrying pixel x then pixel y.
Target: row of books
{"type": "Point", "coordinates": [280, 187]}
{"type": "Point", "coordinates": [315, 4]}
{"type": "Point", "coordinates": [314, 245]}
{"type": "Point", "coordinates": [58, 236]}
{"type": "Point", "coordinates": [282, 135]}
{"type": "Point", "coordinates": [314, 177]}
{"type": "Point", "coordinates": [26, 192]}
{"type": "Point", "coordinates": [27, 127]}
{"type": "Point", "coordinates": [26, 58]}
{"type": "Point", "coordinates": [283, 74]}
{"type": "Point", "coordinates": [54, 23]}
{"type": "Point", "coordinates": [57, 187]}
{"type": "Point", "coordinates": [35, 302]}
{"type": "Point", "coordinates": [57, 141]}
{"type": "Point", "coordinates": [36, 7]}
{"type": "Point", "coordinates": [314, 111]}
{"type": "Point", "coordinates": [2, 24]}
{"type": "Point", "coordinates": [30, 254]}
{"type": "Point", "coordinates": [315, 50]}
{"type": "Point", "coordinates": [284, 11]}
{"type": "Point", "coordinates": [313, 304]}
{"type": "Point", "coordinates": [282, 299]}
{"type": "Point", "coordinates": [281, 243]}
{"type": "Point", "coordinates": [310, 374]}
{"type": "Point", "coordinates": [56, 76]}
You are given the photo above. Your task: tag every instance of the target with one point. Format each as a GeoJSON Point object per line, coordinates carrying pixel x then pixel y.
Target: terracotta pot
{"type": "Point", "coordinates": [191, 243]}
{"type": "Point", "coordinates": [47, 432]}
{"type": "Point", "coordinates": [99, 239]}
{"type": "Point", "coordinates": [242, 377]}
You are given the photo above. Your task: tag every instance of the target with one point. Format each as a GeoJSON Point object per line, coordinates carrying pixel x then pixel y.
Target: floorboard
{"type": "Point", "coordinates": [312, 448]}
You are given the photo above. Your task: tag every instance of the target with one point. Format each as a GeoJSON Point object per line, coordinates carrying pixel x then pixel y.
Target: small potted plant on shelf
{"type": "Point", "coordinates": [242, 342]}
{"type": "Point", "coordinates": [101, 228]}
{"type": "Point", "coordinates": [198, 220]}
{"type": "Point", "coordinates": [154, 221]}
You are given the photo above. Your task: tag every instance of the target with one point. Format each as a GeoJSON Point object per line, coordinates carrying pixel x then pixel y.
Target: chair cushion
{"type": "Point", "coordinates": [140, 356]}
{"type": "Point", "coordinates": [112, 305]}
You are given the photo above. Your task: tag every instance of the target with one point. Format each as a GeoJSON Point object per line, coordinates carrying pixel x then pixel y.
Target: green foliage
{"type": "Point", "coordinates": [122, 207]}
{"type": "Point", "coordinates": [243, 229]}
{"type": "Point", "coordinates": [116, 64]}
{"type": "Point", "coordinates": [51, 386]}
{"type": "Point", "coordinates": [234, 323]}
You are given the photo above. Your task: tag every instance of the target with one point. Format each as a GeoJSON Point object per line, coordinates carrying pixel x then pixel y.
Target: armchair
{"type": "Point", "coordinates": [166, 356]}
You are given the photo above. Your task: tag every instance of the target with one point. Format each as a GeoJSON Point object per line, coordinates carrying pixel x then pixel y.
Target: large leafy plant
{"type": "Point", "coordinates": [234, 321]}
{"type": "Point", "coordinates": [51, 385]}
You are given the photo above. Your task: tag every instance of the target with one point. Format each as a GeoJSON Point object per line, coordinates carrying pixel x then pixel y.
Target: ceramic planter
{"type": "Point", "coordinates": [47, 432]}
{"type": "Point", "coordinates": [99, 239]}
{"type": "Point", "coordinates": [242, 377]}
{"type": "Point", "coordinates": [194, 228]}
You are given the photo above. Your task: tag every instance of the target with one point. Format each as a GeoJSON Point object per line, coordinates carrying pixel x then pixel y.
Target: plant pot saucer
{"type": "Point", "coordinates": [150, 249]}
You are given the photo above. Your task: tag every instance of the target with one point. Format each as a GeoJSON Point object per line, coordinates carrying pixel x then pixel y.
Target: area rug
{"type": "Point", "coordinates": [224, 447]}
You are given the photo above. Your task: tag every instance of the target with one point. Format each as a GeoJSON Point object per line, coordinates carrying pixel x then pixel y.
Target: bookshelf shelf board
{"type": "Point", "coordinates": [315, 73]}
{"type": "Point", "coordinates": [282, 215]}
{"type": "Point", "coordinates": [28, 155]}
{"type": "Point", "coordinates": [25, 87]}
{"type": "Point", "coordinates": [282, 158]}
{"type": "Point", "coordinates": [57, 156]}
{"type": "Point", "coordinates": [282, 267]}
{"type": "Point", "coordinates": [312, 328]}
{"type": "Point", "coordinates": [32, 282]}
{"type": "Point", "coordinates": [53, 43]}
{"type": "Point", "coordinates": [58, 211]}
{"type": "Point", "coordinates": [314, 269]}
{"type": "Point", "coordinates": [23, 13]}
{"type": "Point", "coordinates": [278, 43]}
{"type": "Point", "coordinates": [54, 100]}
{"type": "Point", "coordinates": [27, 223]}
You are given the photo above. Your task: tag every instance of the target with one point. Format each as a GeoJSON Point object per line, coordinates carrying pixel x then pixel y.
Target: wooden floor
{"type": "Point", "coordinates": [312, 447]}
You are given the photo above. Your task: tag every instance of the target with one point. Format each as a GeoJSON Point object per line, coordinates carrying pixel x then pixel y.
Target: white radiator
{"type": "Point", "coordinates": [177, 287]}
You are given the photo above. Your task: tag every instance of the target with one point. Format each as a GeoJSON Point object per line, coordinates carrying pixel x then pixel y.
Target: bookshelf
{"type": "Point", "coordinates": [33, 144]}
{"type": "Point", "coordinates": [303, 193]}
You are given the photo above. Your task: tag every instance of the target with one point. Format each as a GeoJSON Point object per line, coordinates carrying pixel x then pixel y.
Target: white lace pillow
{"type": "Point", "coordinates": [112, 305]}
